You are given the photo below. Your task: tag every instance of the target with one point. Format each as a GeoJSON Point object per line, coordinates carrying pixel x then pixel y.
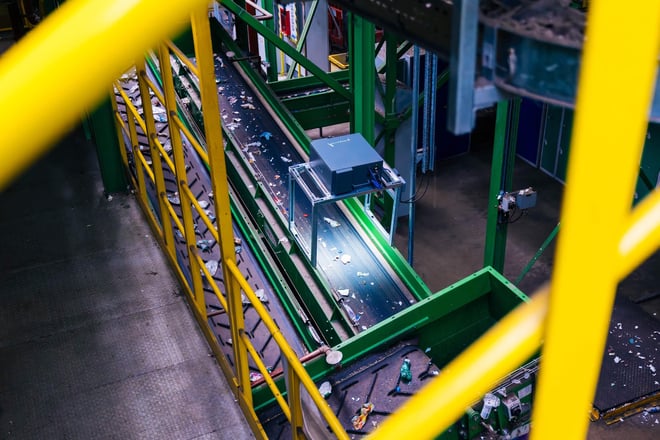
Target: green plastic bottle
{"type": "Point", "coordinates": [406, 374]}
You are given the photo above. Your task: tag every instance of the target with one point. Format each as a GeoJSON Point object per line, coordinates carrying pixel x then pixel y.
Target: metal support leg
{"type": "Point", "coordinates": [363, 76]}
{"type": "Point", "coordinates": [102, 124]}
{"type": "Point", "coordinates": [271, 50]}
{"type": "Point", "coordinates": [501, 178]}
{"type": "Point", "coordinates": [413, 158]}
{"type": "Point", "coordinates": [538, 253]}
{"type": "Point", "coordinates": [462, 65]}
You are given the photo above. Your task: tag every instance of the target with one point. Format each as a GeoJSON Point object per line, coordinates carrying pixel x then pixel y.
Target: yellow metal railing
{"type": "Point", "coordinates": [235, 284]}
{"type": "Point", "coordinates": [64, 66]}
{"type": "Point", "coordinates": [602, 239]}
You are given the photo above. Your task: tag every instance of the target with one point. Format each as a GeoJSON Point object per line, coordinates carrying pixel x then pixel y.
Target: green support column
{"type": "Point", "coordinates": [103, 133]}
{"type": "Point", "coordinates": [271, 51]}
{"type": "Point", "coordinates": [501, 178]}
{"type": "Point", "coordinates": [361, 44]}
{"type": "Point", "coordinates": [242, 37]}
{"type": "Point", "coordinates": [391, 119]}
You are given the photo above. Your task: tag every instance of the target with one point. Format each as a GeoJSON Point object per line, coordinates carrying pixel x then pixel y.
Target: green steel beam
{"type": "Point", "coordinates": [271, 52]}
{"type": "Point", "coordinates": [538, 254]}
{"type": "Point", "coordinates": [103, 132]}
{"type": "Point", "coordinates": [391, 59]}
{"type": "Point", "coordinates": [362, 40]}
{"type": "Point", "coordinates": [318, 110]}
{"type": "Point", "coordinates": [303, 36]}
{"type": "Point", "coordinates": [501, 178]}
{"type": "Point", "coordinates": [307, 83]}
{"type": "Point", "coordinates": [485, 297]}
{"type": "Point", "coordinates": [242, 39]}
{"type": "Point", "coordinates": [269, 35]}
{"type": "Point", "coordinates": [403, 48]}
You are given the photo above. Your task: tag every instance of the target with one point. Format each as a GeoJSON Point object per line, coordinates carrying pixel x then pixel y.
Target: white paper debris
{"type": "Point", "coordinates": [325, 389]}
{"type": "Point", "coordinates": [261, 294]}
{"type": "Point", "coordinates": [345, 258]}
{"type": "Point", "coordinates": [331, 222]}
{"type": "Point", "coordinates": [212, 266]}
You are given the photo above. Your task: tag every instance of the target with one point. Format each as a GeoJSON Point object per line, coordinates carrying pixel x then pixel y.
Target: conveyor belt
{"type": "Point", "coordinates": [629, 373]}
{"type": "Point", "coordinates": [374, 292]}
{"type": "Point", "coordinates": [375, 379]}
{"type": "Point", "coordinates": [199, 183]}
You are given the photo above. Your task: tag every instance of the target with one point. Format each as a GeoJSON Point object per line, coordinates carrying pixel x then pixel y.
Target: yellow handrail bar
{"type": "Point", "coordinates": [182, 57]}
{"type": "Point", "coordinates": [211, 281]}
{"type": "Point", "coordinates": [154, 88]}
{"type": "Point", "coordinates": [108, 36]}
{"type": "Point", "coordinates": [189, 136]}
{"type": "Point", "coordinates": [173, 215]}
{"type": "Point", "coordinates": [163, 153]}
{"type": "Point", "coordinates": [145, 165]}
{"type": "Point", "coordinates": [604, 143]}
{"type": "Point", "coordinates": [642, 234]}
{"type": "Point", "coordinates": [288, 353]}
{"type": "Point", "coordinates": [266, 375]}
{"type": "Point", "coordinates": [205, 218]}
{"type": "Point", "coordinates": [131, 108]}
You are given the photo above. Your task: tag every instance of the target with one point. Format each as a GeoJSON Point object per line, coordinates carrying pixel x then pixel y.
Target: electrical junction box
{"type": "Point", "coordinates": [344, 163]}
{"type": "Point", "coordinates": [526, 198]}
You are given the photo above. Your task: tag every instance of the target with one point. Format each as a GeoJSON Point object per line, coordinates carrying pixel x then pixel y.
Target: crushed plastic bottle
{"type": "Point", "coordinates": [360, 418]}
{"type": "Point", "coordinates": [405, 373]}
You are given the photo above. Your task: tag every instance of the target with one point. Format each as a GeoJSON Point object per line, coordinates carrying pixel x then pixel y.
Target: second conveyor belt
{"type": "Point", "coordinates": [374, 292]}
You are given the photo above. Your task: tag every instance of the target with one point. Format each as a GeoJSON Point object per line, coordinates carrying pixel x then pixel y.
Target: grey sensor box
{"type": "Point", "coordinates": [343, 162]}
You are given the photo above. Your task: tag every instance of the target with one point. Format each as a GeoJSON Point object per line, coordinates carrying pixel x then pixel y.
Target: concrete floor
{"type": "Point", "coordinates": [97, 341]}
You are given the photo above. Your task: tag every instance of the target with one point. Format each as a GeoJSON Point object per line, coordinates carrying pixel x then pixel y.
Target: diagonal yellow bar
{"type": "Point", "coordinates": [65, 65]}
{"type": "Point", "coordinates": [615, 89]}
{"type": "Point", "coordinates": [642, 234]}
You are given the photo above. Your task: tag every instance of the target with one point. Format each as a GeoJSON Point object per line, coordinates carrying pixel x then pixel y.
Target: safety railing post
{"type": "Point", "coordinates": [606, 149]}
{"type": "Point", "coordinates": [181, 178]}
{"type": "Point", "coordinates": [150, 124]}
{"type": "Point", "coordinates": [135, 149]}
{"type": "Point", "coordinates": [216, 157]}
{"type": "Point", "coordinates": [295, 404]}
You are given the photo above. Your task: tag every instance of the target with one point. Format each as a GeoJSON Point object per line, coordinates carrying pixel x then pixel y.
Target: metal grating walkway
{"type": "Point", "coordinates": [96, 340]}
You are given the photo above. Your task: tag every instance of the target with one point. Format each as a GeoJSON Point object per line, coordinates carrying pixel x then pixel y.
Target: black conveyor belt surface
{"type": "Point", "coordinates": [630, 361]}
{"type": "Point", "coordinates": [373, 293]}
{"type": "Point", "coordinates": [199, 183]}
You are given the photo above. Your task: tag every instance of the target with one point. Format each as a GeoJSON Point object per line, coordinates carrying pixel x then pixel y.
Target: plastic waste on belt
{"type": "Point", "coordinates": [360, 418]}
{"type": "Point", "coordinates": [405, 373]}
